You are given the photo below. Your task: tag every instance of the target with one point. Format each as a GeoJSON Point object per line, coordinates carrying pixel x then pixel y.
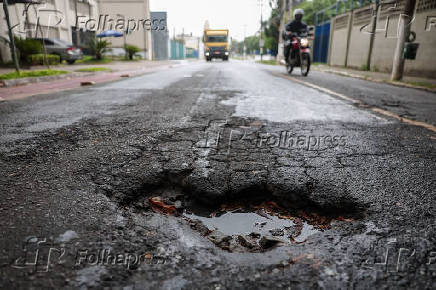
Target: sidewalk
{"type": "Point", "coordinates": [408, 81]}
{"type": "Point", "coordinates": [119, 69]}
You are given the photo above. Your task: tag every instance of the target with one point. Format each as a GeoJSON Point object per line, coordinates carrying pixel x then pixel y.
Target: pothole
{"type": "Point", "coordinates": [249, 225]}
{"type": "Point", "coordinates": [256, 218]}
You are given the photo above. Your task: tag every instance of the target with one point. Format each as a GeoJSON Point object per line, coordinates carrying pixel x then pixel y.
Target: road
{"type": "Point", "coordinates": [78, 168]}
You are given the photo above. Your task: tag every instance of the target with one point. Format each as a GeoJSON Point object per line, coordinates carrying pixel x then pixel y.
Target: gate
{"type": "Point", "coordinates": [321, 43]}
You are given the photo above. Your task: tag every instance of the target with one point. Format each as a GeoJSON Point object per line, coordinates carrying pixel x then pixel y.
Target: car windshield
{"type": "Point", "coordinates": [217, 38]}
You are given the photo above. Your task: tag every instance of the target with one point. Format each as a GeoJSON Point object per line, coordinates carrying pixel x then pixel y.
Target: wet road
{"type": "Point", "coordinates": [78, 168]}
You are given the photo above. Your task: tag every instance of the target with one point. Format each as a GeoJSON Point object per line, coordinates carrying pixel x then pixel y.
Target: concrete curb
{"type": "Point", "coordinates": [73, 74]}
{"type": "Point", "coordinates": [398, 84]}
{"type": "Point", "coordinates": [32, 80]}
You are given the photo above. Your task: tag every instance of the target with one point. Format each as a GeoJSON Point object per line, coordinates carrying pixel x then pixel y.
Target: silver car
{"type": "Point", "coordinates": [62, 48]}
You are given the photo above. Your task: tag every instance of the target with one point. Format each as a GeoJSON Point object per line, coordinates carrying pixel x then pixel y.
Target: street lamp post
{"type": "Point", "coordinates": [261, 42]}
{"type": "Point", "coordinates": [245, 46]}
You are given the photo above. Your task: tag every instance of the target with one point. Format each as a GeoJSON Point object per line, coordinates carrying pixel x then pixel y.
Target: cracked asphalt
{"type": "Point", "coordinates": [77, 169]}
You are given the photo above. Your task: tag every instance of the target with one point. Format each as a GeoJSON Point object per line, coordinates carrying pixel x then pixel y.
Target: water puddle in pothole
{"type": "Point", "coordinates": [248, 226]}
{"type": "Point", "coordinates": [255, 228]}
{"type": "Point", "coordinates": [267, 225]}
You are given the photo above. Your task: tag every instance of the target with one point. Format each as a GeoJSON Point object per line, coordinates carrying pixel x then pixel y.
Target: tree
{"type": "Point", "coordinates": [98, 47]}
{"type": "Point", "coordinates": [237, 46]}
{"type": "Point", "coordinates": [11, 37]}
{"type": "Point", "coordinates": [252, 43]}
{"type": "Point", "coordinates": [131, 50]}
{"type": "Point", "coordinates": [272, 25]}
{"type": "Point", "coordinates": [272, 30]}
{"type": "Point", "coordinates": [27, 47]}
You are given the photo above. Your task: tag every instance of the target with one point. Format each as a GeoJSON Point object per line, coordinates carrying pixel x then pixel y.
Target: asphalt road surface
{"type": "Point", "coordinates": [78, 168]}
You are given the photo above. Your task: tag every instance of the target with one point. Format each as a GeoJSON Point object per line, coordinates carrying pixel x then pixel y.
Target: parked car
{"type": "Point", "coordinates": [66, 51]}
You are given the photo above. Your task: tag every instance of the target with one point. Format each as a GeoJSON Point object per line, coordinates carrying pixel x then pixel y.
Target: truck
{"type": "Point", "coordinates": [216, 44]}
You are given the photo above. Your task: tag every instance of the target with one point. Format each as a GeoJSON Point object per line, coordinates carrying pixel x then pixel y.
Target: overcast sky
{"type": "Point", "coordinates": [231, 14]}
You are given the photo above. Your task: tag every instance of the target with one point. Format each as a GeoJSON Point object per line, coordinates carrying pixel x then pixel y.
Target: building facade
{"type": "Point", "coordinates": [133, 16]}
{"type": "Point", "coordinates": [75, 21]}
{"type": "Point", "coordinates": [160, 37]}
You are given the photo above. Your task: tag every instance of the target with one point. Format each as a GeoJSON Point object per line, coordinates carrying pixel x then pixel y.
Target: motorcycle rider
{"type": "Point", "coordinates": [296, 26]}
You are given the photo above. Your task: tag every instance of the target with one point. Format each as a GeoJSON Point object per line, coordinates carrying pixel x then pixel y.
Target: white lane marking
{"type": "Point", "coordinates": [321, 89]}
{"type": "Point", "coordinates": [358, 102]}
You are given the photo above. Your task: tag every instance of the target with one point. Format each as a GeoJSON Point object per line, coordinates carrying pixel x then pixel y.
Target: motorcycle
{"type": "Point", "coordinates": [299, 56]}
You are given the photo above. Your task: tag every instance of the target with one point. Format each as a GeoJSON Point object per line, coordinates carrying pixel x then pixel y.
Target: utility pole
{"type": "Point", "coordinates": [245, 45]}
{"type": "Point", "coordinates": [261, 42]}
{"type": "Point", "coordinates": [77, 28]}
{"type": "Point", "coordinates": [11, 37]}
{"type": "Point", "coordinates": [372, 34]}
{"type": "Point", "coordinates": [126, 55]}
{"type": "Point", "coordinates": [286, 7]}
{"type": "Point", "coordinates": [39, 28]}
{"type": "Point", "coordinates": [402, 33]}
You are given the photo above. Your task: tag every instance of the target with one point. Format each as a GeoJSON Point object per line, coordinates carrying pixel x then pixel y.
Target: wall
{"type": "Point", "coordinates": [425, 62]}
{"type": "Point", "coordinates": [160, 38]}
{"type": "Point", "coordinates": [359, 41]}
{"type": "Point", "coordinates": [136, 10]}
{"type": "Point", "coordinates": [177, 50]}
{"type": "Point", "coordinates": [48, 20]}
{"type": "Point", "coordinates": [339, 46]}
{"type": "Point", "coordinates": [385, 39]}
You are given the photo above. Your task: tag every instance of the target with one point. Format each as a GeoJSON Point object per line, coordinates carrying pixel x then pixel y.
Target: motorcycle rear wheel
{"type": "Point", "coordinates": [289, 68]}
{"type": "Point", "coordinates": [289, 65]}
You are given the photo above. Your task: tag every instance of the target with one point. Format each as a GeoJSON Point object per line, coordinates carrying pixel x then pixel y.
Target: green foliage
{"type": "Point", "coordinates": [38, 59]}
{"type": "Point", "coordinates": [237, 47]}
{"type": "Point", "coordinates": [272, 32]}
{"type": "Point", "coordinates": [312, 7]}
{"type": "Point", "coordinates": [268, 62]}
{"type": "Point", "coordinates": [93, 69]}
{"type": "Point", "coordinates": [27, 47]}
{"type": "Point", "coordinates": [252, 44]}
{"type": "Point", "coordinates": [131, 50]}
{"type": "Point", "coordinates": [98, 47]}
{"type": "Point", "coordinates": [87, 59]}
{"type": "Point", "coordinates": [32, 73]}
{"type": "Point", "coordinates": [364, 67]}
{"type": "Point", "coordinates": [422, 84]}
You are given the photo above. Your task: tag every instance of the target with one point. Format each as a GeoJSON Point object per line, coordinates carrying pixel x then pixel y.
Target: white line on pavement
{"type": "Point", "coordinates": [358, 102]}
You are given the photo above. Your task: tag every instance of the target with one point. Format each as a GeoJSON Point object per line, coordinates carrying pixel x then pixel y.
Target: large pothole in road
{"type": "Point", "coordinates": [250, 225]}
